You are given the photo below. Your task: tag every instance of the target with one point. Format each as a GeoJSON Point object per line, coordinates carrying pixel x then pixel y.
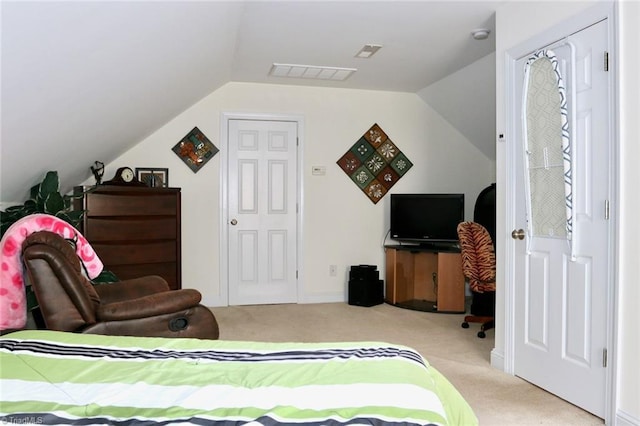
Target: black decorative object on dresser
{"type": "Point", "coordinates": [135, 230]}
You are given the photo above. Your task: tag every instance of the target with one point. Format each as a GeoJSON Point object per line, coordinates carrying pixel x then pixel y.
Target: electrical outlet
{"type": "Point", "coordinates": [333, 270]}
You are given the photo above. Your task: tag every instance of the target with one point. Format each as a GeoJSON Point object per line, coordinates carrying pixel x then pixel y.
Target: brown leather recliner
{"type": "Point", "coordinates": [138, 307]}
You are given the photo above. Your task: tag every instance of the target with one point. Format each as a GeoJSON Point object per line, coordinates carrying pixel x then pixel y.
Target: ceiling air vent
{"type": "Point", "coordinates": [368, 50]}
{"type": "Point", "coordinates": [311, 71]}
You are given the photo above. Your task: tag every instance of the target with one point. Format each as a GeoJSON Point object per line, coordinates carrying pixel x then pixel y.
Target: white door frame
{"type": "Point", "coordinates": [224, 199]}
{"type": "Point", "coordinates": [550, 36]}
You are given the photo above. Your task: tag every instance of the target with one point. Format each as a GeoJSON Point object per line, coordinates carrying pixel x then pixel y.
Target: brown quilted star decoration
{"type": "Point", "coordinates": [374, 163]}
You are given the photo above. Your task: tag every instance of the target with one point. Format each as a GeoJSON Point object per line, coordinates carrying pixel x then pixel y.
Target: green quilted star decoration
{"type": "Point", "coordinates": [374, 163]}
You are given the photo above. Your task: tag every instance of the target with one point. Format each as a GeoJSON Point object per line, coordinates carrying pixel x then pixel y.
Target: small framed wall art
{"type": "Point", "coordinates": [195, 149]}
{"type": "Point", "coordinates": [153, 176]}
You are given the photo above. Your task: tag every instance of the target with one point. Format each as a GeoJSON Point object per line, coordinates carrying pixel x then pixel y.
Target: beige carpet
{"type": "Point", "coordinates": [497, 398]}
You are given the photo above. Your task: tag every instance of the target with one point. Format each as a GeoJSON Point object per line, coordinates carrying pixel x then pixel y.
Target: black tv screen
{"type": "Point", "coordinates": [426, 218]}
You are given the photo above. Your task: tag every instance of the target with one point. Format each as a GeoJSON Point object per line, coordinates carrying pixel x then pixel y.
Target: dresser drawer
{"type": "Point", "coordinates": [131, 228]}
{"type": "Point", "coordinates": [168, 271]}
{"type": "Point", "coordinates": [128, 254]}
{"type": "Point", "coordinates": [130, 204]}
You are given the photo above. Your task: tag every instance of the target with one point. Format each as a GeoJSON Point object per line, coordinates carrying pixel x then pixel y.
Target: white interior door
{"type": "Point", "coordinates": [262, 233]}
{"type": "Point", "coordinates": [561, 295]}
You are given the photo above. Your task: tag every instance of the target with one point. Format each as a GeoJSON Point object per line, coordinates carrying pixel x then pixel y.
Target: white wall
{"type": "Point", "coordinates": [340, 225]}
{"type": "Point", "coordinates": [467, 100]}
{"type": "Point", "coordinates": [629, 244]}
{"type": "Point", "coordinates": [514, 25]}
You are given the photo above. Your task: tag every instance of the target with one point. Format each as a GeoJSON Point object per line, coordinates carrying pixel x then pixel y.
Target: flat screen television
{"type": "Point", "coordinates": [426, 218]}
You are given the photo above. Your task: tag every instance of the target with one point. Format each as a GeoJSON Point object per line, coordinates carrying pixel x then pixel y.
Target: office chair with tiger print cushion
{"type": "Point", "coordinates": [479, 267]}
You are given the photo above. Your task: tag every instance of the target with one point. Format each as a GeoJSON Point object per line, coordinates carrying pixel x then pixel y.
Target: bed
{"type": "Point", "coordinates": [49, 377]}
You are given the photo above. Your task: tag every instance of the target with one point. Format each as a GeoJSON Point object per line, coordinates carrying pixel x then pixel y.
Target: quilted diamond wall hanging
{"type": "Point", "coordinates": [374, 163]}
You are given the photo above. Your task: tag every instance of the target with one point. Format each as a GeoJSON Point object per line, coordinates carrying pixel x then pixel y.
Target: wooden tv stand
{"type": "Point", "coordinates": [425, 279]}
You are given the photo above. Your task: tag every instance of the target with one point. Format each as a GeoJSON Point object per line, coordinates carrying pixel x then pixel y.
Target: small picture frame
{"type": "Point", "coordinates": [153, 176]}
{"type": "Point", "coordinates": [195, 149]}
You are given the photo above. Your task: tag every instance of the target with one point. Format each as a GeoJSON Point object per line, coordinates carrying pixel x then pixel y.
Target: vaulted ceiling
{"type": "Point", "coordinates": [87, 80]}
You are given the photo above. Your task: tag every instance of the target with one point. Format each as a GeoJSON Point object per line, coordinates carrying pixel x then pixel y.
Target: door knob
{"type": "Point", "coordinates": [517, 234]}
{"type": "Point", "coordinates": [234, 222]}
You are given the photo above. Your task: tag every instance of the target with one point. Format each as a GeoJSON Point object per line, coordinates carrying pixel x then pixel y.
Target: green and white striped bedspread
{"type": "Point", "coordinates": [49, 377]}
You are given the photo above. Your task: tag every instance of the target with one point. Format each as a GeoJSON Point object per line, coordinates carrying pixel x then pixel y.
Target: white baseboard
{"type": "Point", "coordinates": [626, 419]}
{"type": "Point", "coordinates": [215, 301]}
{"type": "Point", "coordinates": [497, 359]}
{"type": "Point", "coordinates": [334, 297]}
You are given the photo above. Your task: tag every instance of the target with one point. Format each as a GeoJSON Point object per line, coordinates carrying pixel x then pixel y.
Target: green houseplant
{"type": "Point", "coordinates": [45, 197]}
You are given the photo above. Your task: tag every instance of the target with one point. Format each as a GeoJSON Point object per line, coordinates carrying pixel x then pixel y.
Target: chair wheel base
{"type": "Point", "coordinates": [487, 323]}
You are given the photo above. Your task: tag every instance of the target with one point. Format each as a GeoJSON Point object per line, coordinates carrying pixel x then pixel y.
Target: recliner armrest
{"type": "Point", "coordinates": [131, 289]}
{"type": "Point", "coordinates": [147, 306]}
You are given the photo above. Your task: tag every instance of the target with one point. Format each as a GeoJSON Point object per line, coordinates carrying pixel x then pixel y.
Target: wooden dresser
{"type": "Point", "coordinates": [134, 230]}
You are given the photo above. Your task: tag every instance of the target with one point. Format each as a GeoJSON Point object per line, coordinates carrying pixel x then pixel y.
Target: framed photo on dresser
{"type": "Point", "coordinates": [153, 176]}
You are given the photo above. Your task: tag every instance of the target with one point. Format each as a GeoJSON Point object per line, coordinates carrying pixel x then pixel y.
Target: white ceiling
{"type": "Point", "coordinates": [83, 81]}
{"type": "Point", "coordinates": [422, 41]}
